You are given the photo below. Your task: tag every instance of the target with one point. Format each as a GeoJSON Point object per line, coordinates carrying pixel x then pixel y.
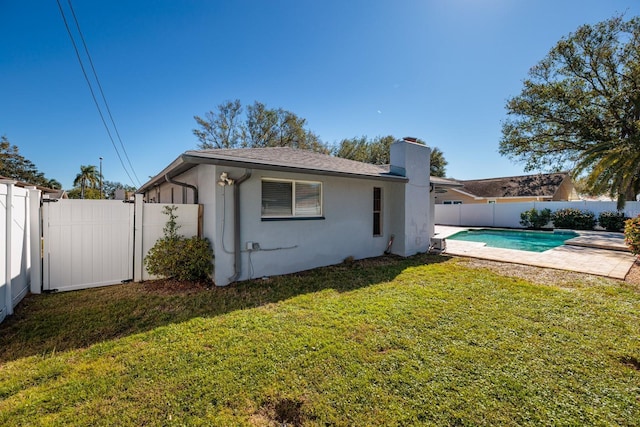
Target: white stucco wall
{"type": "Point", "coordinates": [415, 219]}
{"type": "Point", "coordinates": [292, 245]}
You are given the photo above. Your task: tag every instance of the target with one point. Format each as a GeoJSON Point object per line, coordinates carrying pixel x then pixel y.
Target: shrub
{"type": "Point", "coordinates": [534, 218]}
{"type": "Point", "coordinates": [575, 219]}
{"type": "Point", "coordinates": [632, 234]}
{"type": "Point", "coordinates": [178, 257]}
{"type": "Point", "coordinates": [612, 220]}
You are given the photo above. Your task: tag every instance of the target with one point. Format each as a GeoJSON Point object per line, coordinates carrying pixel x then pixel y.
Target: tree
{"type": "Point", "coordinates": [88, 177]}
{"type": "Point", "coordinates": [227, 127]}
{"type": "Point", "coordinates": [110, 187]}
{"type": "Point", "coordinates": [438, 163]}
{"type": "Point", "coordinates": [376, 152]}
{"type": "Point", "coordinates": [55, 184]}
{"type": "Point", "coordinates": [89, 193]}
{"type": "Point", "coordinates": [13, 165]}
{"type": "Point", "coordinates": [579, 110]}
{"type": "Point", "coordinates": [220, 129]}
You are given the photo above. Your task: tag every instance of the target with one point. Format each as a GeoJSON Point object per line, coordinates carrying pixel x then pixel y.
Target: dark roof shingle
{"type": "Point", "coordinates": [291, 158]}
{"type": "Point", "coordinates": [541, 185]}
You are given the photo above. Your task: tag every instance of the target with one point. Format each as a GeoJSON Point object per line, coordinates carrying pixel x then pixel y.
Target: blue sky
{"type": "Point", "coordinates": [440, 70]}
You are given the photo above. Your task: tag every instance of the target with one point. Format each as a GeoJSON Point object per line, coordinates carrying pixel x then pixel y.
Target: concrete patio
{"type": "Point", "coordinates": [592, 252]}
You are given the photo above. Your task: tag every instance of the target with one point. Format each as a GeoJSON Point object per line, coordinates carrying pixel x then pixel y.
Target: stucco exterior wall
{"type": "Point", "coordinates": [452, 195]}
{"type": "Point", "coordinates": [414, 161]}
{"type": "Point", "coordinates": [566, 192]}
{"type": "Point", "coordinates": [291, 245]}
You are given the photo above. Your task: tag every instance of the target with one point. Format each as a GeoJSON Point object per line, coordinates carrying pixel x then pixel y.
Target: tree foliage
{"type": "Point", "coordinates": [229, 126]}
{"type": "Point", "coordinates": [109, 188]}
{"type": "Point", "coordinates": [376, 151]}
{"type": "Point", "coordinates": [89, 177]}
{"type": "Point", "coordinates": [580, 109]}
{"type": "Point", "coordinates": [15, 166]}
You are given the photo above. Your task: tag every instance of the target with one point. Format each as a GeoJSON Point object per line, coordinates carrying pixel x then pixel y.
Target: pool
{"type": "Point", "coordinates": [532, 241]}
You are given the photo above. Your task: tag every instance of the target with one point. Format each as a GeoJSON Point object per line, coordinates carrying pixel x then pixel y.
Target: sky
{"type": "Point", "coordinates": [439, 70]}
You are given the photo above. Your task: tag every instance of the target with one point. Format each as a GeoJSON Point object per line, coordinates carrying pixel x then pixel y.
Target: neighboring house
{"type": "Point", "coordinates": [526, 188]}
{"type": "Point", "coordinates": [51, 193]}
{"type": "Point", "coordinates": [271, 211]}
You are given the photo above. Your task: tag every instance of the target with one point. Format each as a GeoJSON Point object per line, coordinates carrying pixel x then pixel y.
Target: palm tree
{"type": "Point", "coordinates": [438, 163]}
{"type": "Point", "coordinates": [55, 184]}
{"type": "Point", "coordinates": [88, 176]}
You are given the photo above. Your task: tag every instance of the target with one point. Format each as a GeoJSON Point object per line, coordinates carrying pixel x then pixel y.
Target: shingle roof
{"type": "Point", "coordinates": [45, 190]}
{"type": "Point", "coordinates": [274, 158]}
{"type": "Point", "coordinates": [541, 185]}
{"type": "Point", "coordinates": [291, 158]}
{"type": "Point", "coordinates": [283, 159]}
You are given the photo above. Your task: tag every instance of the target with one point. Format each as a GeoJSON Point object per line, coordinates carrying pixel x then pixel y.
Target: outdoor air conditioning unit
{"type": "Point", "coordinates": [438, 244]}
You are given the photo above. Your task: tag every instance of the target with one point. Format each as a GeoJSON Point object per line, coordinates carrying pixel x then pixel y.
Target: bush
{"type": "Point", "coordinates": [178, 257]}
{"type": "Point", "coordinates": [534, 218]}
{"type": "Point", "coordinates": [574, 219]}
{"type": "Point", "coordinates": [632, 234]}
{"type": "Point", "coordinates": [611, 220]}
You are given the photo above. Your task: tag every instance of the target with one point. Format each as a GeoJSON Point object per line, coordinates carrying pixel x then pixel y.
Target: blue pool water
{"type": "Point", "coordinates": [533, 241]}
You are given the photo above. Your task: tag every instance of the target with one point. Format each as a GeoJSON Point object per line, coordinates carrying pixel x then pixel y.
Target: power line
{"type": "Point", "coordinates": [95, 74]}
{"type": "Point", "coordinates": [93, 95]}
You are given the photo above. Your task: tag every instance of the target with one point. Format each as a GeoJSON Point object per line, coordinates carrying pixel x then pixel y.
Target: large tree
{"type": "Point", "coordinates": [89, 177]}
{"type": "Point", "coordinates": [376, 151]}
{"type": "Point", "coordinates": [579, 110]}
{"type": "Point", "coordinates": [15, 166]}
{"type": "Point", "coordinates": [220, 128]}
{"type": "Point", "coordinates": [230, 127]}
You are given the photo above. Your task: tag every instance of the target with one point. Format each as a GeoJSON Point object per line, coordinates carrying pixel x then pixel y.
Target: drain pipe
{"type": "Point", "coordinates": [184, 184]}
{"type": "Point", "coordinates": [236, 225]}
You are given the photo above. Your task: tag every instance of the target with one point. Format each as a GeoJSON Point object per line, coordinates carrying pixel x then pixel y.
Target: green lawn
{"type": "Point", "coordinates": [422, 341]}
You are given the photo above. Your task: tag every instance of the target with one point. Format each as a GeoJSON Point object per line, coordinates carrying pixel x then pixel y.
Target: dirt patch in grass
{"type": "Point", "coordinates": [281, 412]}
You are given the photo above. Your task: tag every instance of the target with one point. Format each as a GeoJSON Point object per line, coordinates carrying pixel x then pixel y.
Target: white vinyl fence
{"type": "Point", "coordinates": [508, 214]}
{"type": "Point", "coordinates": [76, 244]}
{"type": "Point", "coordinates": [19, 244]}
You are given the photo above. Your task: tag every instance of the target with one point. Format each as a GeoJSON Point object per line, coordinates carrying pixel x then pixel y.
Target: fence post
{"type": "Point", "coordinates": [138, 262]}
{"type": "Point", "coordinates": [8, 245]}
{"type": "Point", "coordinates": [36, 241]}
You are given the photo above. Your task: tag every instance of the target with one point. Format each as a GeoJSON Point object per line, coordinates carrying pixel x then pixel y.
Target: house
{"type": "Point", "coordinates": [47, 192]}
{"type": "Point", "coordinates": [525, 188]}
{"type": "Point", "coordinates": [271, 211]}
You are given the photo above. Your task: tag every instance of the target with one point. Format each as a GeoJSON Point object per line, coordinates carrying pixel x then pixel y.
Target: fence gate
{"type": "Point", "coordinates": [86, 243]}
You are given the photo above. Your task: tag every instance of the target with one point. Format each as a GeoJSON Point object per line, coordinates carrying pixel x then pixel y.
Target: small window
{"type": "Point", "coordinates": [377, 211]}
{"type": "Point", "coordinates": [491, 202]}
{"type": "Point", "coordinates": [452, 202]}
{"type": "Point", "coordinates": [284, 199]}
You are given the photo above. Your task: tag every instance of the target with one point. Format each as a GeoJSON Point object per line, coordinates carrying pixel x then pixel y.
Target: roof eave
{"type": "Point", "coordinates": [194, 159]}
{"type": "Point", "coordinates": [186, 161]}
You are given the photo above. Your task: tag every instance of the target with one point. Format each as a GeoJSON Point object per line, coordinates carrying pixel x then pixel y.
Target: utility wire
{"type": "Point", "coordinates": [93, 95]}
{"type": "Point", "coordinates": [95, 74]}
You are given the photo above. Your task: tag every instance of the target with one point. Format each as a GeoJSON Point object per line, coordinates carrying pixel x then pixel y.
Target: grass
{"type": "Point", "coordinates": [419, 341]}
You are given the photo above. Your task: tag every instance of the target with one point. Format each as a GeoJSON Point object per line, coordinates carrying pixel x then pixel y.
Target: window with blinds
{"type": "Point", "coordinates": [288, 198]}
